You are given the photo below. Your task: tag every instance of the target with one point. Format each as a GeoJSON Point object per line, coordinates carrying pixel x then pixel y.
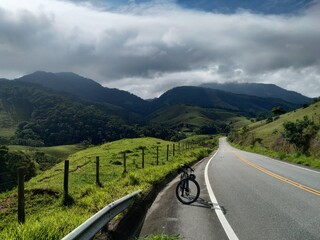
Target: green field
{"type": "Point", "coordinates": [48, 218]}
{"type": "Point", "coordinates": [191, 117]}
{"type": "Point", "coordinates": [61, 152]}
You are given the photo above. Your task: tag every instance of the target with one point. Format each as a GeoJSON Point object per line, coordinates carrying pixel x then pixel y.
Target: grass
{"type": "Point", "coordinates": [7, 132]}
{"type": "Point", "coordinates": [61, 152]}
{"type": "Point", "coordinates": [162, 237]}
{"type": "Point", "coordinates": [281, 155]}
{"type": "Point", "coordinates": [195, 117]}
{"type": "Point", "coordinates": [48, 218]}
{"type": "Point", "coordinates": [271, 142]}
{"type": "Point", "coordinates": [46, 157]}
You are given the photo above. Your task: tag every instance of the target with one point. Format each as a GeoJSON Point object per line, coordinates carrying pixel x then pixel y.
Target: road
{"type": "Point", "coordinates": [253, 197]}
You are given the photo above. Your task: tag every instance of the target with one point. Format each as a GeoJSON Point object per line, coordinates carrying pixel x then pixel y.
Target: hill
{"type": "Point", "coordinates": [212, 98]}
{"type": "Point", "coordinates": [65, 108]}
{"type": "Point", "coordinates": [194, 119]}
{"type": "Point", "coordinates": [87, 89]}
{"type": "Point", "coordinates": [46, 215]}
{"type": "Point", "coordinates": [260, 90]}
{"type": "Point", "coordinates": [270, 136]}
{"type": "Point", "coordinates": [37, 116]}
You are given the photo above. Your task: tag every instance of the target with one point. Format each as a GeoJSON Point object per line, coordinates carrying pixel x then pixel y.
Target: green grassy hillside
{"type": "Point", "coordinates": [7, 124]}
{"type": "Point", "coordinates": [192, 118]}
{"type": "Point", "coordinates": [48, 218]}
{"type": "Point", "coordinates": [268, 138]}
{"type": "Point", "coordinates": [46, 157]}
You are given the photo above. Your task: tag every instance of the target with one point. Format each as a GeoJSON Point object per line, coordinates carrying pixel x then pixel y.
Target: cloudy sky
{"type": "Point", "coordinates": [149, 46]}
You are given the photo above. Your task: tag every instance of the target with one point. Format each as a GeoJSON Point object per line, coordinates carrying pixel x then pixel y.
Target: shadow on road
{"type": "Point", "coordinates": [204, 204]}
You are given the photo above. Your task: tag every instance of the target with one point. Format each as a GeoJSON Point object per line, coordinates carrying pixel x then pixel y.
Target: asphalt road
{"type": "Point", "coordinates": [255, 197]}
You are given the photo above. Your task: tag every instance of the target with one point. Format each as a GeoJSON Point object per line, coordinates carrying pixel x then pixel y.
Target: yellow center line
{"type": "Point", "coordinates": [298, 185]}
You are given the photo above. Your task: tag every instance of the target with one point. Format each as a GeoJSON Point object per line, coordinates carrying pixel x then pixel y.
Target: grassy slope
{"type": "Point", "coordinates": [47, 218]}
{"type": "Point", "coordinates": [181, 114]}
{"type": "Point", "coordinates": [7, 124]}
{"type": "Point", "coordinates": [61, 152]}
{"type": "Point", "coordinates": [270, 133]}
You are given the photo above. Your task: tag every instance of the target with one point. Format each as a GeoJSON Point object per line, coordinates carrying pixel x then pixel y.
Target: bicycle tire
{"type": "Point", "coordinates": [185, 196]}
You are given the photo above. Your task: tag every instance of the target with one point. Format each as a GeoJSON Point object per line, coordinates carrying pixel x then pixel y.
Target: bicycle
{"type": "Point", "coordinates": [188, 189]}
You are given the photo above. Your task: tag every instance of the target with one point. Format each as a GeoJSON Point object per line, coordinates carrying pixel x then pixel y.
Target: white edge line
{"type": "Point", "coordinates": [224, 222]}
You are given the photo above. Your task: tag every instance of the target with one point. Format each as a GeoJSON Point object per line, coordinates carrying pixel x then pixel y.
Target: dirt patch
{"type": "Point", "coordinates": [43, 191]}
{"type": "Point", "coordinates": [8, 203]}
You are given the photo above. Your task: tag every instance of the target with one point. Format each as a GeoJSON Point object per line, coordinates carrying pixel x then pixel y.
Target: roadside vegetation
{"type": "Point", "coordinates": [47, 214]}
{"type": "Point", "coordinates": [294, 136]}
{"type": "Point", "coordinates": [162, 237]}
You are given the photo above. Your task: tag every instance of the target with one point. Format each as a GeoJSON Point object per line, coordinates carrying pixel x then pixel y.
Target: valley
{"type": "Point", "coordinates": [47, 118]}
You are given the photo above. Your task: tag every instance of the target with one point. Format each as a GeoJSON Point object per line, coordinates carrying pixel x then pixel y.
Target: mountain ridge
{"type": "Point", "coordinates": [86, 88]}
{"type": "Point", "coordinates": [261, 90]}
{"type": "Point", "coordinates": [60, 105]}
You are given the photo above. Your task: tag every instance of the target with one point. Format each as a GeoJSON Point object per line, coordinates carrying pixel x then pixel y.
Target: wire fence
{"type": "Point", "coordinates": [7, 181]}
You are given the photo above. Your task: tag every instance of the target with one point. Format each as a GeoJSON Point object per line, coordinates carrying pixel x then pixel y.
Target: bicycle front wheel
{"type": "Point", "coordinates": [187, 191]}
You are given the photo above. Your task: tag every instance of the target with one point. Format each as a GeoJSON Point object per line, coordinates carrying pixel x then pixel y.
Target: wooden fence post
{"type": "Point", "coordinates": [173, 149]}
{"type": "Point", "coordinates": [143, 157]}
{"type": "Point", "coordinates": [124, 162]}
{"type": "Point", "coordinates": [97, 171]}
{"type": "Point", "coordinates": [167, 152]}
{"type": "Point", "coordinates": [66, 182]}
{"type": "Point", "coordinates": [157, 155]}
{"type": "Point", "coordinates": [21, 210]}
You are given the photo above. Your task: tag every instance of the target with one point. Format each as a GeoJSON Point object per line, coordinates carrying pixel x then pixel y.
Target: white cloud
{"type": "Point", "coordinates": [147, 49]}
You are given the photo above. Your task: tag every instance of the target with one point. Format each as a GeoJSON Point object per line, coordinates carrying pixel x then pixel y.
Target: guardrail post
{"type": "Point", "coordinates": [66, 183]}
{"type": "Point", "coordinates": [21, 212]}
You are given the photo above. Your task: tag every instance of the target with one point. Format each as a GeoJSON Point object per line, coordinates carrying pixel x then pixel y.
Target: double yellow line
{"type": "Point", "coordinates": [286, 180]}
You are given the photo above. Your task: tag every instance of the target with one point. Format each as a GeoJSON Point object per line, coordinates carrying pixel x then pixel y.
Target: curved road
{"type": "Point", "coordinates": [259, 198]}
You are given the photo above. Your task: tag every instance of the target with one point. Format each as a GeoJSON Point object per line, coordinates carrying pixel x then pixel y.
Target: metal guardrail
{"type": "Point", "coordinates": [94, 224]}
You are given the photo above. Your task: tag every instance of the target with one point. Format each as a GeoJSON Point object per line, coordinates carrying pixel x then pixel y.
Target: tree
{"type": "Point", "coordinates": [9, 164]}
{"type": "Point", "coordinates": [300, 133]}
{"type": "Point", "coordinates": [278, 111]}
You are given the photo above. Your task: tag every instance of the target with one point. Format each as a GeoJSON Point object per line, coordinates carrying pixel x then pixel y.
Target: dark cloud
{"type": "Point", "coordinates": [147, 49]}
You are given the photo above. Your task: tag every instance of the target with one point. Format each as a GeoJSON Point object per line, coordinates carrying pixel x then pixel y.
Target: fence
{"type": "Point", "coordinates": [66, 197]}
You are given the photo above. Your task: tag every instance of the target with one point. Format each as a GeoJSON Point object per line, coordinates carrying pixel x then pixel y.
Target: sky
{"type": "Point", "coordinates": [147, 47]}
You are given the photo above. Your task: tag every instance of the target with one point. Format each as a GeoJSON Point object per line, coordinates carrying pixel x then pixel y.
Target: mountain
{"type": "Point", "coordinates": [212, 98]}
{"type": "Point", "coordinates": [192, 118]}
{"type": "Point", "coordinates": [87, 89]}
{"type": "Point", "coordinates": [39, 116]}
{"type": "Point", "coordinates": [62, 108]}
{"type": "Point", "coordinates": [260, 90]}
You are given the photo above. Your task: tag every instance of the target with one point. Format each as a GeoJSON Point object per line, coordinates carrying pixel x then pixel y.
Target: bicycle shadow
{"type": "Point", "coordinates": [205, 204]}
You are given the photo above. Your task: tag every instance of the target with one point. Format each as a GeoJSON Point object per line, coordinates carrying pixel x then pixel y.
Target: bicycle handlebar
{"type": "Point", "coordinates": [186, 166]}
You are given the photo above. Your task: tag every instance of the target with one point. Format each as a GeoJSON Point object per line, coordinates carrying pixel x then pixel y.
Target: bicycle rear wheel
{"type": "Point", "coordinates": [187, 191]}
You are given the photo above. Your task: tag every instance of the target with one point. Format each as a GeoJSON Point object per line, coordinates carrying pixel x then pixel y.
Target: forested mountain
{"type": "Point", "coordinates": [49, 118]}
{"type": "Point", "coordinates": [212, 98]}
{"type": "Point", "coordinates": [63, 108]}
{"type": "Point", "coordinates": [260, 90]}
{"type": "Point", "coordinates": [87, 89]}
